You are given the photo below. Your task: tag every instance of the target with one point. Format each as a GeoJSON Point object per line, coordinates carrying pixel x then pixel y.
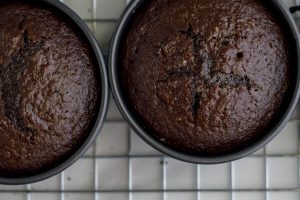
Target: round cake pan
{"type": "Point", "coordinates": [66, 12]}
{"type": "Point", "coordinates": [276, 126]}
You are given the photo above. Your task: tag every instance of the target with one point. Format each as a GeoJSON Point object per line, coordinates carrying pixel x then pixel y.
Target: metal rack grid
{"type": "Point", "coordinates": [121, 166]}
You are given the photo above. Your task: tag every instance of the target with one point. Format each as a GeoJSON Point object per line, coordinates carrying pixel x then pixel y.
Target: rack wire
{"type": "Point", "coordinates": [121, 166]}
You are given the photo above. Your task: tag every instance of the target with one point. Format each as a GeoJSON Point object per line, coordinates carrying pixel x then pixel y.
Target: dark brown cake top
{"type": "Point", "coordinates": [206, 76]}
{"type": "Point", "coordinates": [48, 88]}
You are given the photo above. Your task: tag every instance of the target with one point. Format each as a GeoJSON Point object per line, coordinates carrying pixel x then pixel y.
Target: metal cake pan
{"type": "Point", "coordinates": [289, 103]}
{"type": "Point", "coordinates": [66, 12]}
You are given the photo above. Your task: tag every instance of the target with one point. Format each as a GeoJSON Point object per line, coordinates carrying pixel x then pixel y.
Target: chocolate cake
{"type": "Point", "coordinates": [49, 92]}
{"type": "Point", "coordinates": [205, 77]}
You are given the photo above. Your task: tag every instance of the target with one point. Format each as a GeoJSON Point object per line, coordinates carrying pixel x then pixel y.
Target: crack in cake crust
{"type": "Point", "coordinates": [202, 72]}
{"type": "Point", "coordinates": [11, 76]}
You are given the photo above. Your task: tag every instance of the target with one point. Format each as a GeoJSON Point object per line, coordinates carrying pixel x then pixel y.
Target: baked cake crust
{"type": "Point", "coordinates": [205, 76]}
{"type": "Point", "coordinates": [48, 88]}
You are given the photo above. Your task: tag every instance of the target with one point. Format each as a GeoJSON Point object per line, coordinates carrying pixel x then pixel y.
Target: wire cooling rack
{"type": "Point", "coordinates": [120, 166]}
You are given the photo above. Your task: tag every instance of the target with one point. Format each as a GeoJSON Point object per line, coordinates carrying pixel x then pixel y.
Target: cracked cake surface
{"type": "Point", "coordinates": [205, 76]}
{"type": "Point", "coordinates": [49, 92]}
